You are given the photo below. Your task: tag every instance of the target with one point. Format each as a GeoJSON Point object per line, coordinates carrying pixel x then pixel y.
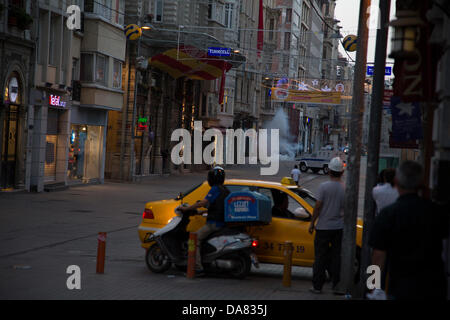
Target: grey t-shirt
{"type": "Point", "coordinates": [331, 216]}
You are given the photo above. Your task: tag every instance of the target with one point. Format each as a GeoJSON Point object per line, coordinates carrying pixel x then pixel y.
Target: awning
{"type": "Point", "coordinates": [190, 62]}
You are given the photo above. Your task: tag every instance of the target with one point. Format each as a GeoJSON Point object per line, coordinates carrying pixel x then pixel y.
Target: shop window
{"type": "Point", "coordinates": [85, 152]}
{"type": "Point", "coordinates": [51, 139]}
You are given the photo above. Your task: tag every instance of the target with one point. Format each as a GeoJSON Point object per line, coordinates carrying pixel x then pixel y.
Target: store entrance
{"type": "Point", "coordinates": [85, 152]}
{"type": "Point", "coordinates": [9, 146]}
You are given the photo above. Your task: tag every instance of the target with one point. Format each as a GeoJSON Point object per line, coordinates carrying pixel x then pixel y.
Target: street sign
{"type": "Point", "coordinates": [219, 52]}
{"type": "Point", "coordinates": [387, 71]}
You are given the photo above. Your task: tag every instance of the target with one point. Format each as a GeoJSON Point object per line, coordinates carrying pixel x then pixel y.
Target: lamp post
{"type": "Point", "coordinates": [132, 167]}
{"type": "Point", "coordinates": [407, 29]}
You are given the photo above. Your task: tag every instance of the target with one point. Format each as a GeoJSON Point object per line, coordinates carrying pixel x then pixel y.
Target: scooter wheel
{"type": "Point", "coordinates": [243, 265]}
{"type": "Point", "coordinates": [156, 260]}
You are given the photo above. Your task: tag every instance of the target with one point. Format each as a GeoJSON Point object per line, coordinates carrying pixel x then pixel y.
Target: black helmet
{"type": "Point", "coordinates": [216, 176]}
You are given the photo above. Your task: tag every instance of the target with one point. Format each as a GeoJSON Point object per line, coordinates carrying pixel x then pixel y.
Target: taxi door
{"type": "Point", "coordinates": [283, 228]}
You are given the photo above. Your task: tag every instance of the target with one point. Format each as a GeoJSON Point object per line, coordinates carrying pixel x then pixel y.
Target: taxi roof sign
{"type": "Point", "coordinates": [288, 181]}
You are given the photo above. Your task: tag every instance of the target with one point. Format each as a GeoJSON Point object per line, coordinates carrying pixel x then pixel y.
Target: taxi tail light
{"type": "Point", "coordinates": [148, 214]}
{"type": "Point", "coordinates": [255, 243]}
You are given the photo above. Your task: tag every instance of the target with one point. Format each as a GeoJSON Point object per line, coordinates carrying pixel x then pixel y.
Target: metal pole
{"type": "Point", "coordinates": [125, 119]}
{"type": "Point", "coordinates": [354, 159]}
{"type": "Point", "coordinates": [133, 120]}
{"type": "Point", "coordinates": [132, 167]}
{"type": "Point", "coordinates": [376, 110]}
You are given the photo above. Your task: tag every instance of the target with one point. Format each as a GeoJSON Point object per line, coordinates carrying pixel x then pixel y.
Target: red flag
{"type": "Point", "coordinates": [222, 84]}
{"type": "Point", "coordinates": [260, 29]}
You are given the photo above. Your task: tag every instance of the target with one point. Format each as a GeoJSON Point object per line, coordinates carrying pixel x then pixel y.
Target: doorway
{"type": "Point", "coordinates": [9, 146]}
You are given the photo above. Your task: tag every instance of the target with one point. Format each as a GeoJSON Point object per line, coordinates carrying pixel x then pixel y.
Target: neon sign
{"type": "Point", "coordinates": [142, 123]}
{"type": "Point", "coordinates": [56, 101]}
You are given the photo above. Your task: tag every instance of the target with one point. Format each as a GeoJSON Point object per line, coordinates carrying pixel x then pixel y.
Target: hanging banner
{"type": "Point", "coordinates": [406, 120]}
{"type": "Point", "coordinates": [310, 97]}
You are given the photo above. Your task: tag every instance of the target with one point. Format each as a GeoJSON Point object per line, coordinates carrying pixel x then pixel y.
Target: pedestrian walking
{"type": "Point", "coordinates": [328, 236]}
{"type": "Point", "coordinates": [295, 174]}
{"type": "Point", "coordinates": [407, 239]}
{"type": "Point", "coordinates": [385, 193]}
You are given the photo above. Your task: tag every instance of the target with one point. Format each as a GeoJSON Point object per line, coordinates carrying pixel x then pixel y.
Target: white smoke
{"type": "Point", "coordinates": [280, 121]}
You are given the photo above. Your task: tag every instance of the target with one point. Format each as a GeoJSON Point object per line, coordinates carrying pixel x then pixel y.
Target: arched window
{"type": "Point", "coordinates": [13, 90]}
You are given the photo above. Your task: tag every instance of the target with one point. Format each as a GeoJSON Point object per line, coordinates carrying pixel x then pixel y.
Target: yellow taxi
{"type": "Point", "coordinates": [284, 226]}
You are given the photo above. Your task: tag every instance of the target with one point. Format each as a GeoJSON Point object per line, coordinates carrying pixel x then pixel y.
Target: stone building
{"type": "Point", "coordinates": [17, 55]}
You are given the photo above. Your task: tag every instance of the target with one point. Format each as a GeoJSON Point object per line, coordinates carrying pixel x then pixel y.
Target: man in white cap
{"type": "Point", "coordinates": [329, 210]}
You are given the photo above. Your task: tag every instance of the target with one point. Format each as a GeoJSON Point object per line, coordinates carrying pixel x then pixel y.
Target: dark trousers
{"type": "Point", "coordinates": [327, 252]}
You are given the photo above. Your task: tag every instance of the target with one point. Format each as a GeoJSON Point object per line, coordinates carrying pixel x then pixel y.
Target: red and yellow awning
{"type": "Point", "coordinates": [190, 62]}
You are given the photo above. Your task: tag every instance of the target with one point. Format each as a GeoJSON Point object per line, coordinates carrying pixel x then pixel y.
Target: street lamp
{"type": "Point", "coordinates": [407, 31]}
{"type": "Point", "coordinates": [147, 26]}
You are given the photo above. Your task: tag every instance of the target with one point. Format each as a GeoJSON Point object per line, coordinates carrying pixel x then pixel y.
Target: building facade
{"type": "Point", "coordinates": [170, 82]}
{"type": "Point", "coordinates": [17, 54]}
{"type": "Point", "coordinates": [60, 89]}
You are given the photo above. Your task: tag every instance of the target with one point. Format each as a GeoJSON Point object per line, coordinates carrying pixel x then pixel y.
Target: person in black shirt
{"type": "Point", "coordinates": [410, 233]}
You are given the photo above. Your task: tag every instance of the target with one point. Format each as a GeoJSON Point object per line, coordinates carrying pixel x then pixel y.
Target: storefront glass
{"type": "Point", "coordinates": [86, 147]}
{"type": "Point", "coordinates": [51, 140]}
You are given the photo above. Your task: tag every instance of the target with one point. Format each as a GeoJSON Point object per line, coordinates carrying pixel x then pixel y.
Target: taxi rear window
{"type": "Point", "coordinates": [184, 194]}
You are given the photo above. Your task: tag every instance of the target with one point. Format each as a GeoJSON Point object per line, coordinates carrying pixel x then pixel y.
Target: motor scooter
{"type": "Point", "coordinates": [228, 250]}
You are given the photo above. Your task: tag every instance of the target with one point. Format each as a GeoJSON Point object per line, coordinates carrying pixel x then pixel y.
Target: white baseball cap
{"type": "Point", "coordinates": [336, 165]}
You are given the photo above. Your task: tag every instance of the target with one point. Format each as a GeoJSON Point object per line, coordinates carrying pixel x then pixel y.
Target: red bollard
{"type": "Point", "coordinates": [192, 249]}
{"type": "Point", "coordinates": [101, 252]}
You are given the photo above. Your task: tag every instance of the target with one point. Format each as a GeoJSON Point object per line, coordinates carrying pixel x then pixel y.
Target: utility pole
{"type": "Point", "coordinates": [354, 159]}
{"type": "Point", "coordinates": [132, 167]}
{"type": "Point", "coordinates": [376, 110]}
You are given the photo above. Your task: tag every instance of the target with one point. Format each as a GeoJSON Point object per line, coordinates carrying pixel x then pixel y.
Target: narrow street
{"type": "Point", "coordinates": [42, 234]}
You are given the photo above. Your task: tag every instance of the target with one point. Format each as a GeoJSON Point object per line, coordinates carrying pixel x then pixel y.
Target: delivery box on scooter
{"type": "Point", "coordinates": [248, 207]}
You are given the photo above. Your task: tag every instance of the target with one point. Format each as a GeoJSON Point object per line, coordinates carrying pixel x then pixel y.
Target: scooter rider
{"type": "Point", "coordinates": [215, 202]}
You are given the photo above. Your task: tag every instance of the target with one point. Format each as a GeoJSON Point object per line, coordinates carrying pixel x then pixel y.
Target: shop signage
{"type": "Point", "coordinates": [142, 123]}
{"type": "Point", "coordinates": [56, 101]}
{"type": "Point", "coordinates": [313, 97]}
